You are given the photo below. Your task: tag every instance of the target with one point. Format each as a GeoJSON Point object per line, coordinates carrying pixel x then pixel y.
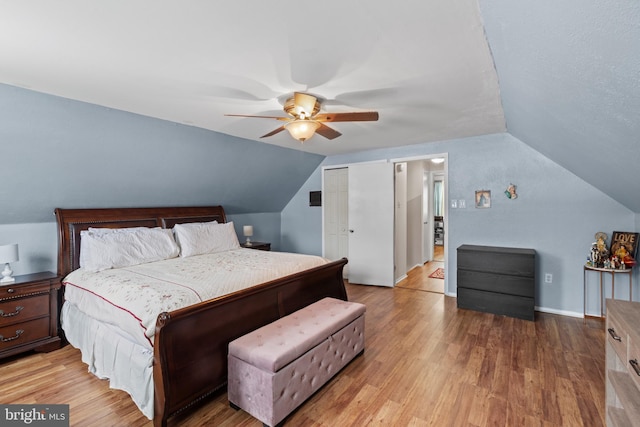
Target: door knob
{"type": "Point", "coordinates": [350, 231]}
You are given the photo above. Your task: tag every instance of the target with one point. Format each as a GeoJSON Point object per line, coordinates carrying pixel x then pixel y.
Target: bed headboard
{"type": "Point", "coordinates": [72, 221]}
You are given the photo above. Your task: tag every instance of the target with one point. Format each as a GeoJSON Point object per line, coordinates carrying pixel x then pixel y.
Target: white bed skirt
{"type": "Point", "coordinates": [112, 356]}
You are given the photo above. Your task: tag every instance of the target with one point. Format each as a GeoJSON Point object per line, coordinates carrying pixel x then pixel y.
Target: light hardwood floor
{"type": "Point", "coordinates": [418, 277]}
{"type": "Point", "coordinates": [425, 363]}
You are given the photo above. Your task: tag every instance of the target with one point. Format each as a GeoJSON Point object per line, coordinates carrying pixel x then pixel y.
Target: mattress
{"type": "Point", "coordinates": [131, 298]}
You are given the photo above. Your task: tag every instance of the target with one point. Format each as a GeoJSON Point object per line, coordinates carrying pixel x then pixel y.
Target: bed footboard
{"type": "Point", "coordinates": [191, 344]}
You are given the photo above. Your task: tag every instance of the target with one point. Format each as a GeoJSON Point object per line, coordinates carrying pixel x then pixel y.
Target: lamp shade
{"type": "Point", "coordinates": [9, 253]}
{"type": "Point", "coordinates": [302, 129]}
{"type": "Point", "coordinates": [248, 230]}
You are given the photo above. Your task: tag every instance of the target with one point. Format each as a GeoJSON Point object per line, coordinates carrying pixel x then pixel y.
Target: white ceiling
{"type": "Point", "coordinates": [425, 66]}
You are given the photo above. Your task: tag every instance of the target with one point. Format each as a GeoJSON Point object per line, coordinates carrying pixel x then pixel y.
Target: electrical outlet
{"type": "Point", "coordinates": [462, 204]}
{"type": "Point", "coordinates": [548, 278]}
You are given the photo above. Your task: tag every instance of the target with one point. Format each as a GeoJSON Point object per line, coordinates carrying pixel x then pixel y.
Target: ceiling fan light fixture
{"type": "Point", "coordinates": [302, 129]}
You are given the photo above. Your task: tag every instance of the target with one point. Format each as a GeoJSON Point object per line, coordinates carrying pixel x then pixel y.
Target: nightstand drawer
{"type": "Point", "coordinates": [13, 291]}
{"type": "Point", "coordinates": [23, 333]}
{"type": "Point", "coordinates": [19, 310]}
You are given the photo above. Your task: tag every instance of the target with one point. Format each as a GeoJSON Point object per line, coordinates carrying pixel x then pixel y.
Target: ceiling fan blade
{"type": "Point", "coordinates": [327, 132]}
{"type": "Point", "coordinates": [273, 132]}
{"type": "Point", "coordinates": [259, 117]}
{"type": "Point", "coordinates": [304, 103]}
{"type": "Point", "coordinates": [359, 116]}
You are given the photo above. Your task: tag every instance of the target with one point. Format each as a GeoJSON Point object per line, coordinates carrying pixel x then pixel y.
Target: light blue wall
{"type": "Point", "coordinates": [556, 213]}
{"type": "Point", "coordinates": [64, 153]}
{"type": "Point", "coordinates": [301, 223]}
{"type": "Point", "coordinates": [266, 227]}
{"type": "Point", "coordinates": [37, 246]}
{"type": "Point", "coordinates": [570, 86]}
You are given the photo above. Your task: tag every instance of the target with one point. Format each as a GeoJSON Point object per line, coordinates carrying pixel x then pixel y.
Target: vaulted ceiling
{"type": "Point", "coordinates": [562, 76]}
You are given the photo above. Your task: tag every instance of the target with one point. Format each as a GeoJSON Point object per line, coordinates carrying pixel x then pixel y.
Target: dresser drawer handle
{"type": "Point", "coordinates": [10, 290]}
{"type": "Point", "coordinates": [19, 308]}
{"type": "Point", "coordinates": [613, 334]}
{"type": "Point", "coordinates": [18, 333]}
{"type": "Point", "coordinates": [634, 365]}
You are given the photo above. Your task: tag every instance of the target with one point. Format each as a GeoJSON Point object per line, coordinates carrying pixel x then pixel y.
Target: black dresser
{"type": "Point", "coordinates": [497, 280]}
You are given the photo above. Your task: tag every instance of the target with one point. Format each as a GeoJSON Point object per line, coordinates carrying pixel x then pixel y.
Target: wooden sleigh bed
{"type": "Point", "coordinates": [191, 344]}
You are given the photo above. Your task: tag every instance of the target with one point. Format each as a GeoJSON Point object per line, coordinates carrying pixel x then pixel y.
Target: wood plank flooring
{"type": "Point", "coordinates": [418, 277]}
{"type": "Point", "coordinates": [425, 363]}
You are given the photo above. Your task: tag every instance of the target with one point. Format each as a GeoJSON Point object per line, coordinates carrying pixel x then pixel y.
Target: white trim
{"type": "Point", "coordinates": [423, 157]}
{"type": "Point", "coordinates": [346, 165]}
{"type": "Point", "coordinates": [559, 312]}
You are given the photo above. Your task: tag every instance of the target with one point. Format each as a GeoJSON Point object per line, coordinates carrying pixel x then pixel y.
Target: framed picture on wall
{"type": "Point", "coordinates": [483, 199]}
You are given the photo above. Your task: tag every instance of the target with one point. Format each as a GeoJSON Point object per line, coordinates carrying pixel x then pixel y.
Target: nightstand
{"type": "Point", "coordinates": [261, 246]}
{"type": "Point", "coordinates": [29, 314]}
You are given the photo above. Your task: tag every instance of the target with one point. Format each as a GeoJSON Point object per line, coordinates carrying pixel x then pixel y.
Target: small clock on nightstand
{"type": "Point", "coordinates": [29, 314]}
{"type": "Point", "coordinates": [261, 246]}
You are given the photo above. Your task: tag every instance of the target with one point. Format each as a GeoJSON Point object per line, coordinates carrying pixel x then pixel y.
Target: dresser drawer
{"type": "Point", "coordinates": [617, 336]}
{"type": "Point", "coordinates": [510, 285]}
{"type": "Point", "coordinates": [23, 333]}
{"type": "Point", "coordinates": [15, 291]}
{"type": "Point", "coordinates": [510, 261]}
{"type": "Point", "coordinates": [19, 310]}
{"type": "Point", "coordinates": [633, 361]}
{"type": "Point", "coordinates": [501, 304]}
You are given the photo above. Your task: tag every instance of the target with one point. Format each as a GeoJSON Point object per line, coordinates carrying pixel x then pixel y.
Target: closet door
{"type": "Point", "coordinates": [336, 215]}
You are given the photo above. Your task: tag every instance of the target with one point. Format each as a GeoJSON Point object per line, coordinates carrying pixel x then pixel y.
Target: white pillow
{"type": "Point", "coordinates": [198, 238]}
{"type": "Point", "coordinates": [85, 252]}
{"type": "Point", "coordinates": [102, 250]}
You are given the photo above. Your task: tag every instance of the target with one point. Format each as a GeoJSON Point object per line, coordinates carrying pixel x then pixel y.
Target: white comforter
{"type": "Point", "coordinates": [131, 298]}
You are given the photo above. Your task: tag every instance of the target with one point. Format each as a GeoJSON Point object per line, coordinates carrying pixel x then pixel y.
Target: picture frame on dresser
{"type": "Point", "coordinates": [627, 239]}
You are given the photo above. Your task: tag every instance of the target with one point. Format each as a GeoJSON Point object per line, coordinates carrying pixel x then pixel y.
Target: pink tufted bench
{"type": "Point", "coordinates": [274, 369]}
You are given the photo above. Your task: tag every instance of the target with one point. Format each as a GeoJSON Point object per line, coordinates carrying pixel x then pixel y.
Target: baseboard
{"type": "Point", "coordinates": [559, 312]}
{"type": "Point", "coordinates": [400, 279]}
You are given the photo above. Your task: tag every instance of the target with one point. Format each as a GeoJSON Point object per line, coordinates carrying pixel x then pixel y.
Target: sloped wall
{"type": "Point", "coordinates": [556, 213]}
{"type": "Point", "coordinates": [64, 153]}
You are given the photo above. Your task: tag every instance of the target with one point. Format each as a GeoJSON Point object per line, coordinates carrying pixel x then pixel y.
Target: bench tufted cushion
{"type": "Point", "coordinates": [273, 346]}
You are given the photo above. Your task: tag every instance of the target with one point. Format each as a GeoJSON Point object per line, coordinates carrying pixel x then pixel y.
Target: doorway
{"type": "Point", "coordinates": [424, 219]}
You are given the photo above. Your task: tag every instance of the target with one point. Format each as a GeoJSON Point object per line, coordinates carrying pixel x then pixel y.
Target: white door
{"type": "Point", "coordinates": [336, 215]}
{"type": "Point", "coordinates": [371, 206]}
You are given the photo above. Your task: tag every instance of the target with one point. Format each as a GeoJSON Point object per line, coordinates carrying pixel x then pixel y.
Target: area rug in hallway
{"type": "Point", "coordinates": [437, 274]}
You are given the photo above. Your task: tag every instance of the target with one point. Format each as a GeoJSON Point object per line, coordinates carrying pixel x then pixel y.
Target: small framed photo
{"type": "Point", "coordinates": [483, 199]}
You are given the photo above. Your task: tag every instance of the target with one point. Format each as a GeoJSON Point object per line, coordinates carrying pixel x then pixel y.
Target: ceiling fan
{"type": "Point", "coordinates": [305, 118]}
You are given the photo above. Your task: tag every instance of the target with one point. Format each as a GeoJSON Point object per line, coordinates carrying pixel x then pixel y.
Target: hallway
{"type": "Point", "coordinates": [418, 278]}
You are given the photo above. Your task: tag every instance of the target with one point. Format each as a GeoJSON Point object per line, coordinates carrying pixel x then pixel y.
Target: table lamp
{"type": "Point", "coordinates": [8, 254]}
{"type": "Point", "coordinates": [248, 232]}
